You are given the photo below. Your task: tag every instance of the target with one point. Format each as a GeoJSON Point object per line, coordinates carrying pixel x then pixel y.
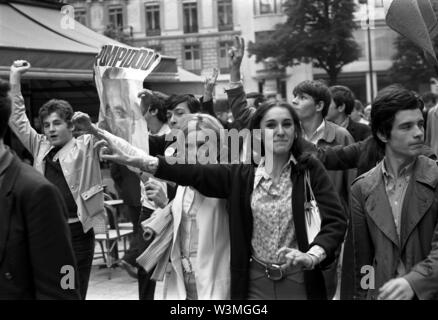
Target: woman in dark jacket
{"type": "Point", "coordinates": [270, 254]}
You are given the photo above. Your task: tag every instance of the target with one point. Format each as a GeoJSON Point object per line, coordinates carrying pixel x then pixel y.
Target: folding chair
{"type": "Point", "coordinates": [110, 235]}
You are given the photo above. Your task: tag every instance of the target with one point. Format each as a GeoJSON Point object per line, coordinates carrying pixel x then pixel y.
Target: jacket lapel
{"type": "Point", "coordinates": [378, 207]}
{"type": "Point", "coordinates": [177, 211]}
{"type": "Point", "coordinates": [422, 185]}
{"type": "Point", "coordinates": [6, 202]}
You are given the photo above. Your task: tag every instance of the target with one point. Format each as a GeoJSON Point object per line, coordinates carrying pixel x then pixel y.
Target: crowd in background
{"type": "Point", "coordinates": [229, 229]}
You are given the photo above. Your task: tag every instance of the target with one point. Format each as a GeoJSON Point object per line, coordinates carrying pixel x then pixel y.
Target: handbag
{"type": "Point", "coordinates": [311, 211]}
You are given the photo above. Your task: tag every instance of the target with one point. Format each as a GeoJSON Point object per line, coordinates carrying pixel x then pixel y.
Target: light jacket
{"type": "Point", "coordinates": [213, 276]}
{"type": "Point", "coordinates": [376, 242]}
{"type": "Point", "coordinates": [78, 159]}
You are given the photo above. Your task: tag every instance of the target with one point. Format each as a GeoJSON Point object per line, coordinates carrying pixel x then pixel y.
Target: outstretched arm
{"type": "Point", "coordinates": [211, 180]}
{"type": "Point", "coordinates": [18, 122]}
{"type": "Point", "coordinates": [240, 109]}
{"type": "Point", "coordinates": [207, 97]}
{"type": "Point", "coordinates": [341, 157]}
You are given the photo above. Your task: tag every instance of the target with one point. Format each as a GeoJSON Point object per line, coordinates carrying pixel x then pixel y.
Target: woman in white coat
{"type": "Point", "coordinates": [199, 264]}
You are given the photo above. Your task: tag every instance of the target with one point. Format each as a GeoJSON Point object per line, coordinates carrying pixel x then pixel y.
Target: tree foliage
{"type": "Point", "coordinates": [318, 31]}
{"type": "Point", "coordinates": [409, 64]}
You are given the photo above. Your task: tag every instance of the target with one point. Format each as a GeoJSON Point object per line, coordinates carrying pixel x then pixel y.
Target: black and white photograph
{"type": "Point", "coordinates": [220, 155]}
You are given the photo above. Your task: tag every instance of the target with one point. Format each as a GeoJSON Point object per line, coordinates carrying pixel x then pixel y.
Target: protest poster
{"type": "Point", "coordinates": [119, 72]}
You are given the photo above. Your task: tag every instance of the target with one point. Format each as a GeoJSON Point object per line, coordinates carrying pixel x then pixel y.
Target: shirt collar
{"type": "Point", "coordinates": [405, 172]}
{"type": "Point", "coordinates": [318, 134]}
{"type": "Point", "coordinates": [345, 123]}
{"type": "Point", "coordinates": [261, 172]}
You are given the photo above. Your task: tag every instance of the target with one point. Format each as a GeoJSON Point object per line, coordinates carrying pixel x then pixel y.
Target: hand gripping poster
{"type": "Point", "coordinates": [119, 72]}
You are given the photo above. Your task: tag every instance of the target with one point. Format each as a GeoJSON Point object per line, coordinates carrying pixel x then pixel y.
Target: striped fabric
{"type": "Point", "coordinates": [158, 252]}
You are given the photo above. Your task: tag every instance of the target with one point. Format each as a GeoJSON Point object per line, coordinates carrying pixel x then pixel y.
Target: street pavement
{"type": "Point", "coordinates": [120, 287]}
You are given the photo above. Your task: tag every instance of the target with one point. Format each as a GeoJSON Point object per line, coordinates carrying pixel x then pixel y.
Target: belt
{"type": "Point", "coordinates": [73, 220]}
{"type": "Point", "coordinates": [272, 271]}
{"type": "Point", "coordinates": [187, 264]}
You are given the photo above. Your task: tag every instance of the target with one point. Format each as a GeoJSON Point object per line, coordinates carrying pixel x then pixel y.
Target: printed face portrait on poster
{"type": "Point", "coordinates": [119, 75]}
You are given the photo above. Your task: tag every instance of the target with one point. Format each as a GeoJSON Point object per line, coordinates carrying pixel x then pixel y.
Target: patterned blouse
{"type": "Point", "coordinates": [271, 205]}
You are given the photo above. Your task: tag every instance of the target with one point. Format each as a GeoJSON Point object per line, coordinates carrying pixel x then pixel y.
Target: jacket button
{"type": "Point", "coordinates": [8, 276]}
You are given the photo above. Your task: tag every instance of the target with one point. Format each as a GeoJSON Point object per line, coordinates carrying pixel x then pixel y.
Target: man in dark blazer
{"type": "Point", "coordinates": [36, 255]}
{"type": "Point", "coordinates": [339, 112]}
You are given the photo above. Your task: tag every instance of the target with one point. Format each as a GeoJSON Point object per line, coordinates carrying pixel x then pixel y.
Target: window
{"type": "Point", "coordinates": [360, 37]}
{"type": "Point", "coordinates": [153, 20]}
{"type": "Point", "coordinates": [378, 3]}
{"type": "Point", "coordinates": [225, 15]}
{"type": "Point", "coordinates": [224, 59]}
{"type": "Point", "coordinates": [115, 17]}
{"type": "Point", "coordinates": [265, 7]}
{"type": "Point", "coordinates": [190, 13]}
{"type": "Point", "coordinates": [192, 58]}
{"type": "Point", "coordinates": [382, 42]}
{"type": "Point", "coordinates": [261, 36]}
{"type": "Point", "coordinates": [81, 16]}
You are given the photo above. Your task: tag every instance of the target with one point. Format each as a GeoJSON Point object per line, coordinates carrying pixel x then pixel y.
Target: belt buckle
{"type": "Point", "coordinates": [187, 265]}
{"type": "Point", "coordinates": [276, 268]}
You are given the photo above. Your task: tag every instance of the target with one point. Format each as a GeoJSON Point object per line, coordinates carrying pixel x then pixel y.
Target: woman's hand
{"type": "Point", "coordinates": [209, 84]}
{"type": "Point", "coordinates": [156, 193]}
{"type": "Point", "coordinates": [112, 152]}
{"type": "Point", "coordinates": [295, 257]}
{"type": "Point", "coordinates": [109, 151]}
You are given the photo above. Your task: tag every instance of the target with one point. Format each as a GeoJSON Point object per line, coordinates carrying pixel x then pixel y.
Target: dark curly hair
{"type": "Point", "coordinates": [61, 107]}
{"type": "Point", "coordinates": [388, 102]}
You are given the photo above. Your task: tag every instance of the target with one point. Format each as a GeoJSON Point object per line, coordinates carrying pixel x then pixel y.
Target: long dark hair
{"type": "Point", "coordinates": [298, 149]}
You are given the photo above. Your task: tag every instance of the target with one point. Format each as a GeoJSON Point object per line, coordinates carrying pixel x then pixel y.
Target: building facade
{"type": "Point", "coordinates": [199, 34]}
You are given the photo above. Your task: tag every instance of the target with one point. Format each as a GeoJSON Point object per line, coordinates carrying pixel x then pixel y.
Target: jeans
{"type": "Point", "coordinates": [291, 287]}
{"type": "Point", "coordinates": [83, 247]}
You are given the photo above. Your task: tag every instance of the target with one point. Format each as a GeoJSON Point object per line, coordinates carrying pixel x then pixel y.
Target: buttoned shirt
{"type": "Point", "coordinates": [396, 192]}
{"type": "Point", "coordinates": [271, 204]}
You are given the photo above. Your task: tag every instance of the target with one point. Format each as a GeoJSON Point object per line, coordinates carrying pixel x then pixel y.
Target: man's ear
{"type": "Point", "coordinates": [153, 112]}
{"type": "Point", "coordinates": [341, 108]}
{"type": "Point", "coordinates": [382, 137]}
{"type": "Point", "coordinates": [320, 106]}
